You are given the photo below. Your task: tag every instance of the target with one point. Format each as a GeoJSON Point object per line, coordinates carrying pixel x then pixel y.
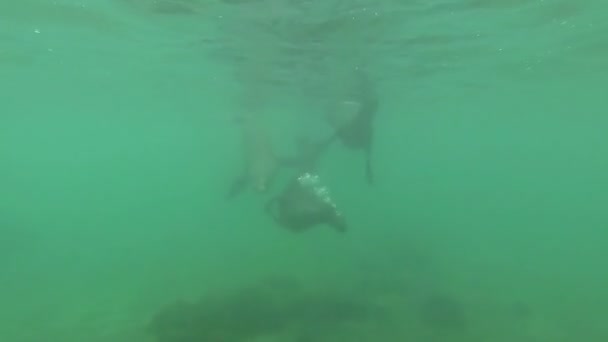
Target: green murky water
{"type": "Point", "coordinates": [118, 143]}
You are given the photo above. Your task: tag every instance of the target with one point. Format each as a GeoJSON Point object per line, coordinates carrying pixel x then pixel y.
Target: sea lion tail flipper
{"type": "Point", "coordinates": [237, 187]}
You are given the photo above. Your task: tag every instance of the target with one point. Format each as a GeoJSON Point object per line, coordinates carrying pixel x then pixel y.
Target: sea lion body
{"type": "Point", "coordinates": [260, 163]}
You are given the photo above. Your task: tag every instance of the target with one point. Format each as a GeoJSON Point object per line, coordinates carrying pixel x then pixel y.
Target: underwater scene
{"type": "Point", "coordinates": [303, 171]}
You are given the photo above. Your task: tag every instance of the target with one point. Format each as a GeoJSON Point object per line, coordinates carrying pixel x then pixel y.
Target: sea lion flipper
{"type": "Point", "coordinates": [237, 187]}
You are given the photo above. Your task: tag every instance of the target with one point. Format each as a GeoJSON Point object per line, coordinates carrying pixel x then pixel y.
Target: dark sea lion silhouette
{"type": "Point", "coordinates": [304, 204]}
{"type": "Point", "coordinates": [355, 131]}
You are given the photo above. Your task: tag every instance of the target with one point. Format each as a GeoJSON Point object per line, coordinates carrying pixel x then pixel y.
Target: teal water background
{"type": "Point", "coordinates": [117, 145]}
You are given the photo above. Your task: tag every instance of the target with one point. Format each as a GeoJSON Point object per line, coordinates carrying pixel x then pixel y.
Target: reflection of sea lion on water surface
{"type": "Point", "coordinates": [304, 204]}
{"type": "Point", "coordinates": [353, 121]}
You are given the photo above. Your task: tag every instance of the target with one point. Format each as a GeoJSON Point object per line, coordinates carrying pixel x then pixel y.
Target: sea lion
{"type": "Point", "coordinates": [260, 160]}
{"type": "Point", "coordinates": [262, 163]}
{"type": "Point", "coordinates": [353, 120]}
{"type": "Point", "coordinates": [303, 204]}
